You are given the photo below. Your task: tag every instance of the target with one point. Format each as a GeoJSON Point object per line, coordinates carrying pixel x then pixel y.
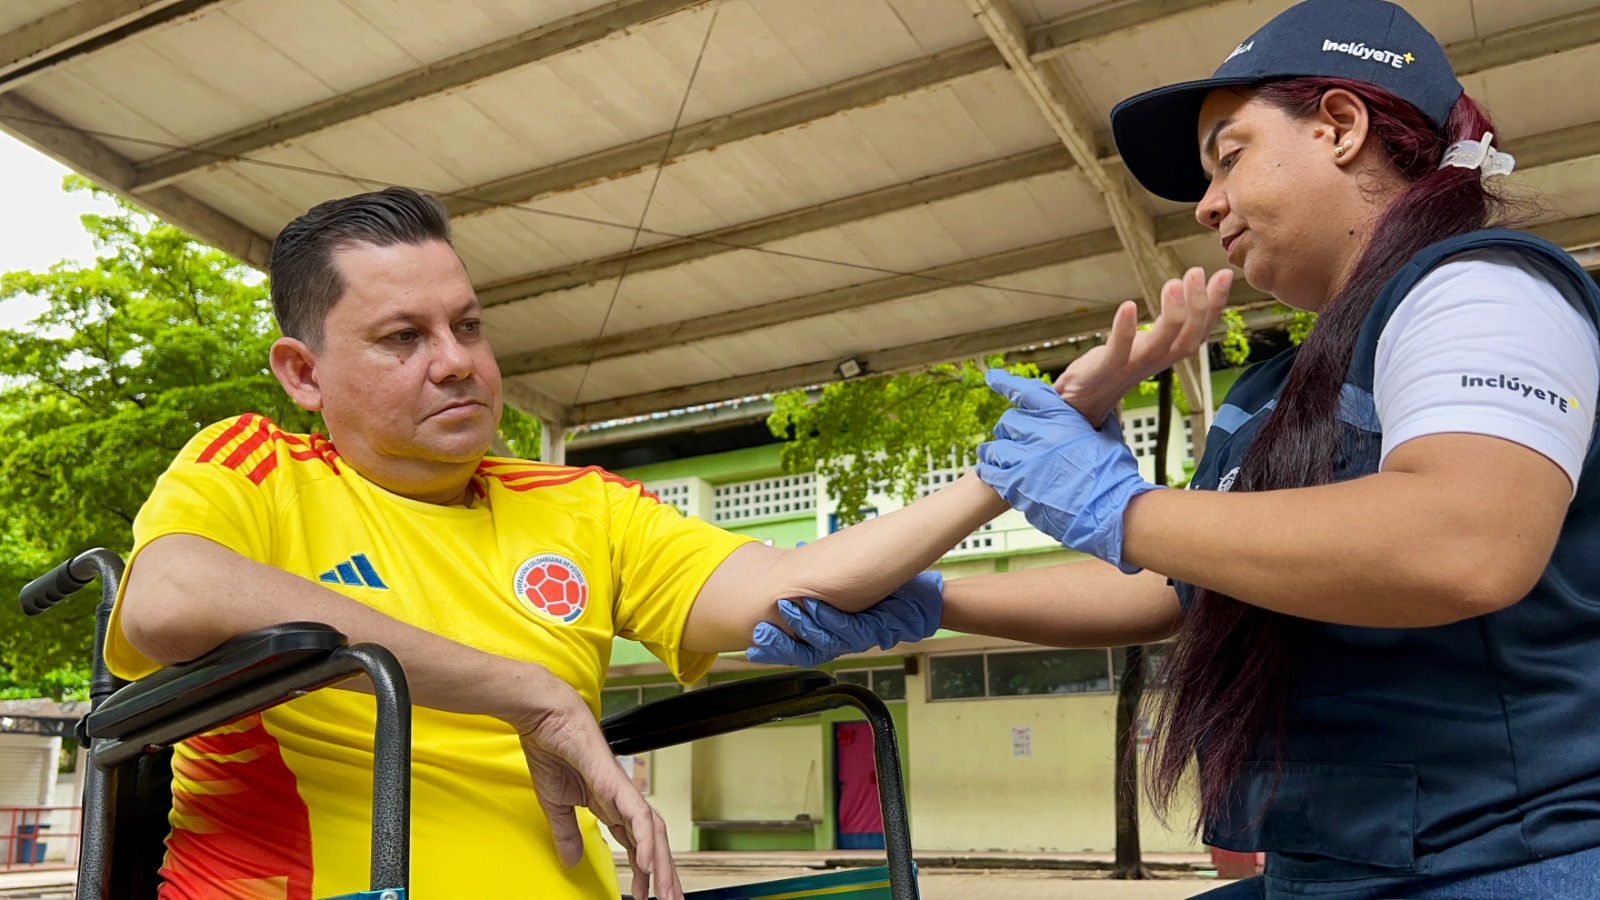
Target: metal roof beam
{"type": "Point", "coordinates": [795, 309]}
{"type": "Point", "coordinates": [1583, 231]}
{"type": "Point", "coordinates": [1541, 149]}
{"type": "Point", "coordinates": [1570, 234]}
{"type": "Point", "coordinates": [1103, 20]}
{"type": "Point", "coordinates": [536, 403]}
{"type": "Point", "coordinates": [704, 136]}
{"type": "Point", "coordinates": [536, 45]}
{"type": "Point", "coordinates": [1515, 45]}
{"type": "Point", "coordinates": [85, 27]}
{"type": "Point", "coordinates": [1549, 148]}
{"type": "Point", "coordinates": [67, 28]}
{"type": "Point", "coordinates": [50, 135]}
{"type": "Point", "coordinates": [929, 189]}
{"type": "Point", "coordinates": [1059, 99]}
{"type": "Point", "coordinates": [1578, 232]}
{"type": "Point", "coordinates": [877, 362]}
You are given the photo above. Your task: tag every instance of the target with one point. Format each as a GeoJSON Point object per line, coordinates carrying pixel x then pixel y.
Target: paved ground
{"type": "Point", "coordinates": [987, 884]}
{"type": "Point", "coordinates": [720, 870]}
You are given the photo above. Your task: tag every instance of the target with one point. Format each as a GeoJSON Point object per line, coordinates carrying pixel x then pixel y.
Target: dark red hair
{"type": "Point", "coordinates": [1229, 671]}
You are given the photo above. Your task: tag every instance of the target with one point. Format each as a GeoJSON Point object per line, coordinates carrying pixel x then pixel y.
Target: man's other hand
{"type": "Point", "coordinates": [572, 766]}
{"type": "Point", "coordinates": [822, 633]}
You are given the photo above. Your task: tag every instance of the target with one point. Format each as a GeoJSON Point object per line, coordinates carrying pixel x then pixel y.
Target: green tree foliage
{"type": "Point", "coordinates": [881, 435]}
{"type": "Point", "coordinates": [1300, 322]}
{"type": "Point", "coordinates": [157, 338]}
{"type": "Point", "coordinates": [137, 351]}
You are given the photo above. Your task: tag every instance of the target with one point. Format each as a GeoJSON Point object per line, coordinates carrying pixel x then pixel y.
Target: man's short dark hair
{"type": "Point", "coordinates": [306, 283]}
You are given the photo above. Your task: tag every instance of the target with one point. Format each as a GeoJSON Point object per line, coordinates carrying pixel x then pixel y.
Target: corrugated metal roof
{"type": "Point", "coordinates": [842, 168]}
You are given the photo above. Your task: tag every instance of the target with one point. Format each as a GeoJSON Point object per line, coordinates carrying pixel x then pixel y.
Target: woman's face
{"type": "Point", "coordinates": [1286, 208]}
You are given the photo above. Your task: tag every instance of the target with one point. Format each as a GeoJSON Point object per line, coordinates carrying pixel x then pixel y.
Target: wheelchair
{"type": "Point", "coordinates": [131, 728]}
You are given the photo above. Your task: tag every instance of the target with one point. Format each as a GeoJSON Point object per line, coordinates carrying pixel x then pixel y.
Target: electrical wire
{"type": "Point", "coordinates": [655, 181]}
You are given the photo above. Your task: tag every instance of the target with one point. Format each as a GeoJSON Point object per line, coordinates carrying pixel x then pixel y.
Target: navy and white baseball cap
{"type": "Point", "coordinates": [1362, 40]}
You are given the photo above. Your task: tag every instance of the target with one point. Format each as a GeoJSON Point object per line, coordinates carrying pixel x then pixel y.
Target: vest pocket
{"type": "Point", "coordinates": [1321, 812]}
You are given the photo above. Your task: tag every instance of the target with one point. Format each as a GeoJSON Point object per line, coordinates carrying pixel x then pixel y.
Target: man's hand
{"type": "Point", "coordinates": [823, 633]}
{"type": "Point", "coordinates": [1189, 307]}
{"type": "Point", "coordinates": [572, 766]}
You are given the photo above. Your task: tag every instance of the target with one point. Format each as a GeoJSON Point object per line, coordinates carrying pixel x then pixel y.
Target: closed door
{"type": "Point", "coordinates": [855, 793]}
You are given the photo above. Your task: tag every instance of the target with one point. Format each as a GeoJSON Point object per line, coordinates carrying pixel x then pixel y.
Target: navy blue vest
{"type": "Point", "coordinates": [1420, 754]}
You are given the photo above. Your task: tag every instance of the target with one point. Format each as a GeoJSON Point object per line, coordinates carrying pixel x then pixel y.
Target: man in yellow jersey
{"type": "Point", "coordinates": [499, 583]}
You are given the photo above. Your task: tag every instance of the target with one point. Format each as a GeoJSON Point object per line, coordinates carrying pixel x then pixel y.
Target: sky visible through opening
{"type": "Point", "coordinates": [38, 220]}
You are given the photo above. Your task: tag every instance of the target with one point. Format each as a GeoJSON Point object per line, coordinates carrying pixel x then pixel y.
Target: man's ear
{"type": "Point", "coordinates": [295, 365]}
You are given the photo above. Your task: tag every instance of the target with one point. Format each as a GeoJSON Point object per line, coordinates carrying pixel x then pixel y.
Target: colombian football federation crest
{"type": "Point", "coordinates": [552, 586]}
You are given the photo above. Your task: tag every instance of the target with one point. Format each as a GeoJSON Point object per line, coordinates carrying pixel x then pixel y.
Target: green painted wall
{"type": "Point", "coordinates": [1221, 381]}
{"type": "Point", "coordinates": [734, 465]}
{"type": "Point", "coordinates": [776, 772]}
{"type": "Point", "coordinates": [972, 793]}
{"type": "Point", "coordinates": [783, 533]}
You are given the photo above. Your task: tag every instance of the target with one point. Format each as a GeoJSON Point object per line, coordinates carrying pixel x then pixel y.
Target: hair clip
{"type": "Point", "coordinates": [1479, 155]}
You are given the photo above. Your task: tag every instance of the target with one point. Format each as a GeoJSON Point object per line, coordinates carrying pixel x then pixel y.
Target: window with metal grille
{"type": "Point", "coordinates": [1018, 673]}
{"type": "Point", "coordinates": [980, 541]}
{"type": "Point", "coordinates": [1139, 430]}
{"type": "Point", "coordinates": [673, 493]}
{"type": "Point", "coordinates": [617, 699]}
{"type": "Point", "coordinates": [889, 683]}
{"type": "Point", "coordinates": [788, 495]}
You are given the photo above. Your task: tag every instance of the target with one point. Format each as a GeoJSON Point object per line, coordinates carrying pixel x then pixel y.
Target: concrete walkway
{"type": "Point", "coordinates": [967, 876]}
{"type": "Point", "coordinates": [982, 884]}
{"type": "Point", "coordinates": [938, 859]}
{"type": "Point", "coordinates": [943, 876]}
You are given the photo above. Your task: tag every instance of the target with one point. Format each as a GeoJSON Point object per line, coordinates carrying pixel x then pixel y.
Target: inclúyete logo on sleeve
{"type": "Point", "coordinates": [1558, 399]}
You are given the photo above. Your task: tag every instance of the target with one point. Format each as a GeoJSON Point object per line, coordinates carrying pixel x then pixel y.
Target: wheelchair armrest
{"type": "Point", "coordinates": [241, 663]}
{"type": "Point", "coordinates": [710, 711]}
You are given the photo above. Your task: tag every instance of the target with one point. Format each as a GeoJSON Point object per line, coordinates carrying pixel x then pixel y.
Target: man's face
{"type": "Point", "coordinates": [406, 379]}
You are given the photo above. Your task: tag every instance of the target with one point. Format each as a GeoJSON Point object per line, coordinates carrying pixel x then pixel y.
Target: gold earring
{"type": "Point", "coordinates": [1339, 150]}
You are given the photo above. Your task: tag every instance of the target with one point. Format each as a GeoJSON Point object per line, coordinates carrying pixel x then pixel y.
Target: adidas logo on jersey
{"type": "Point", "coordinates": [357, 571]}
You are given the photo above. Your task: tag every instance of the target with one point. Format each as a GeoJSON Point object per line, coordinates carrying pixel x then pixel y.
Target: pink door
{"type": "Point", "coordinates": [855, 776]}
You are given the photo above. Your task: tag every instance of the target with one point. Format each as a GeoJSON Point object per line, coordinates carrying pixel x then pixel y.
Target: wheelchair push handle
{"type": "Point", "coordinates": [68, 578]}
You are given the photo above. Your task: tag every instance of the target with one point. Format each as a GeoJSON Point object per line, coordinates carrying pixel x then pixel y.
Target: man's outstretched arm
{"type": "Point", "coordinates": [849, 570]}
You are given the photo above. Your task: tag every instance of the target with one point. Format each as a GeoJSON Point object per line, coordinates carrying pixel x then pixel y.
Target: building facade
{"type": "Point", "coordinates": [1006, 746]}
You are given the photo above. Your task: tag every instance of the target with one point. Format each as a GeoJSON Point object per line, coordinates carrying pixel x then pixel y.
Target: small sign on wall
{"type": "Point", "coordinates": [1022, 740]}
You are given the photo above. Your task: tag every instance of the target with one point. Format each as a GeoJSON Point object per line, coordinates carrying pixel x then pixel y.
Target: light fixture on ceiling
{"type": "Point", "coordinates": [850, 368]}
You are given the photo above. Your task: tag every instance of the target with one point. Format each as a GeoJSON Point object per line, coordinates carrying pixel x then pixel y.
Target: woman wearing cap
{"type": "Point", "coordinates": [1386, 612]}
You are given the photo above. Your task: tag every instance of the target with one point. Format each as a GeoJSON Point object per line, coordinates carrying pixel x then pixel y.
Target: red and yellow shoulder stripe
{"type": "Point", "coordinates": [522, 475]}
{"type": "Point", "coordinates": [253, 445]}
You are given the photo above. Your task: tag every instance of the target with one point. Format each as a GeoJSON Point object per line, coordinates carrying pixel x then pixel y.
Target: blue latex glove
{"type": "Point", "coordinates": [1072, 482]}
{"type": "Point", "coordinates": [911, 613]}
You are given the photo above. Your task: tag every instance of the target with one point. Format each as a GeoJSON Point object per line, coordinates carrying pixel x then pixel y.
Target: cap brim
{"type": "Point", "coordinates": [1156, 135]}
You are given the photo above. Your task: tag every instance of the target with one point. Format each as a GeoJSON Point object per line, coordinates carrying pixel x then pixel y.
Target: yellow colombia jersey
{"type": "Point", "coordinates": [547, 565]}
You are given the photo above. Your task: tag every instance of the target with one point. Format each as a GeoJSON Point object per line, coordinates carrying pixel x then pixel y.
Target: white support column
{"type": "Point", "coordinates": [1202, 409]}
{"type": "Point", "coordinates": [1060, 99]}
{"type": "Point", "coordinates": [552, 443]}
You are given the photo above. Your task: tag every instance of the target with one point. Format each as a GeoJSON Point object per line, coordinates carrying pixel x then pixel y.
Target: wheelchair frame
{"type": "Point", "coordinates": [131, 728]}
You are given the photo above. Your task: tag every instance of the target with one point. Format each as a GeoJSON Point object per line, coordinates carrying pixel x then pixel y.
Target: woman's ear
{"type": "Point", "coordinates": [1345, 116]}
{"type": "Point", "coordinates": [294, 364]}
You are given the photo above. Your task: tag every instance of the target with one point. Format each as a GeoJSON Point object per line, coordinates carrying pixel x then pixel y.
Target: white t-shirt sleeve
{"type": "Point", "coordinates": [1487, 344]}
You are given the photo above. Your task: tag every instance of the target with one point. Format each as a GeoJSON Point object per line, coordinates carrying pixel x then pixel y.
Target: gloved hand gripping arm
{"type": "Point", "coordinates": [1071, 481]}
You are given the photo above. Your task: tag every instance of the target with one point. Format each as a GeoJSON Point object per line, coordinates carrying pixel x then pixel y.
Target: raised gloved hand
{"type": "Point", "coordinates": [823, 633]}
{"type": "Point", "coordinates": [1072, 482]}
